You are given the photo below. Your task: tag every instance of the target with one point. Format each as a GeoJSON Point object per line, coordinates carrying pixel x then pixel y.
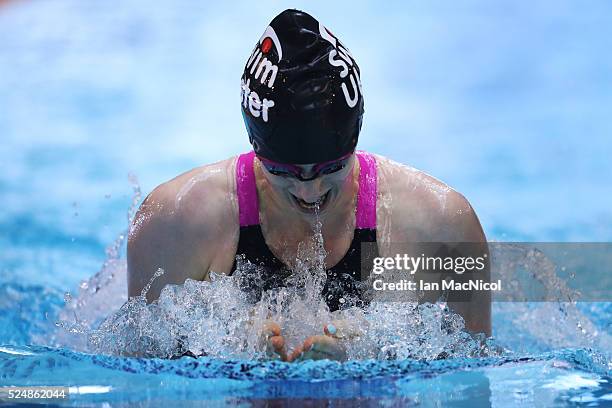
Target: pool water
{"type": "Point", "coordinates": [505, 102]}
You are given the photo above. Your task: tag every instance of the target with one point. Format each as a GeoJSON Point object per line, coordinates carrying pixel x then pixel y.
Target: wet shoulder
{"type": "Point", "coordinates": [414, 204]}
{"type": "Point", "coordinates": [198, 200]}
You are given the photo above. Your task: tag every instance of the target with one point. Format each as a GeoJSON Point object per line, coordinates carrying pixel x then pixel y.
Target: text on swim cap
{"type": "Point", "coordinates": [264, 69]}
{"type": "Point", "coordinates": [251, 101]}
{"type": "Point", "coordinates": [344, 61]}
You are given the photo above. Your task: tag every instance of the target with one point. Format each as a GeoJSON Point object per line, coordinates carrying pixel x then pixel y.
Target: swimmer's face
{"type": "Point", "coordinates": [305, 187]}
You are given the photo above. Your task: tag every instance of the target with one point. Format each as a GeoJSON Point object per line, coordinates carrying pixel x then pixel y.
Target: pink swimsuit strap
{"type": "Point", "coordinates": [365, 217]}
{"type": "Point", "coordinates": [246, 189]}
{"type": "Point", "coordinates": [248, 204]}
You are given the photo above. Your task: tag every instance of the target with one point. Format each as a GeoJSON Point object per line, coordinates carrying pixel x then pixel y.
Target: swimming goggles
{"type": "Point", "coordinates": [293, 171]}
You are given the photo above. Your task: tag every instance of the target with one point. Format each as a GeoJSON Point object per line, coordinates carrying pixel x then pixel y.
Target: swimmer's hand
{"type": "Point", "coordinates": [330, 346]}
{"type": "Point", "coordinates": [273, 340]}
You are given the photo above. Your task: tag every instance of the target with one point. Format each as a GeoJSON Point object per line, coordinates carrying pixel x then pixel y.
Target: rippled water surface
{"type": "Point", "coordinates": [507, 103]}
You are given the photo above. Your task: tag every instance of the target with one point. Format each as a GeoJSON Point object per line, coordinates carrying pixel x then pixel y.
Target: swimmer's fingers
{"type": "Point", "coordinates": [342, 329]}
{"type": "Point", "coordinates": [278, 347]}
{"type": "Point", "coordinates": [298, 352]}
{"type": "Point", "coordinates": [319, 348]}
{"type": "Point", "coordinates": [271, 328]}
{"type": "Point", "coordinates": [330, 330]}
{"type": "Point", "coordinates": [275, 343]}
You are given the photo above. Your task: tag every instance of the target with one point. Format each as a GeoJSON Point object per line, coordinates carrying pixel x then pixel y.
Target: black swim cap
{"type": "Point", "coordinates": [302, 101]}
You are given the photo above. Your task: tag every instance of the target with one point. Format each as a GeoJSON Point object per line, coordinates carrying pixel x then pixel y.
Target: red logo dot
{"type": "Point", "coordinates": [266, 45]}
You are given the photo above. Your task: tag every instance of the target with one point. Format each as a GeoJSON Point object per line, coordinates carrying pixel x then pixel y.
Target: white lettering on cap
{"type": "Point", "coordinates": [251, 101]}
{"type": "Point", "coordinates": [342, 58]}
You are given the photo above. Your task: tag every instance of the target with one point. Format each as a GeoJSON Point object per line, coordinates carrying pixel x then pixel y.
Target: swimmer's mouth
{"type": "Point", "coordinates": [321, 201]}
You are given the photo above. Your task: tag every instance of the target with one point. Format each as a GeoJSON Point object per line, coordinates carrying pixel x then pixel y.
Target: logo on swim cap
{"type": "Point", "coordinates": [266, 44]}
{"type": "Point", "coordinates": [269, 37]}
{"type": "Point", "coordinates": [263, 68]}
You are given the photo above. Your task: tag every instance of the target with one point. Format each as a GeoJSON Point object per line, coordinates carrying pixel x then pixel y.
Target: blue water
{"type": "Point", "coordinates": [506, 102]}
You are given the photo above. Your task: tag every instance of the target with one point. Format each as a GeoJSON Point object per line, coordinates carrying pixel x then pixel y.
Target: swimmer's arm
{"type": "Point", "coordinates": [463, 226]}
{"type": "Point", "coordinates": [162, 237]}
{"type": "Point", "coordinates": [188, 227]}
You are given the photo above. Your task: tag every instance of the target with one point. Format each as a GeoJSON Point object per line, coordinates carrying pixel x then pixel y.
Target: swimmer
{"type": "Point", "coordinates": [302, 103]}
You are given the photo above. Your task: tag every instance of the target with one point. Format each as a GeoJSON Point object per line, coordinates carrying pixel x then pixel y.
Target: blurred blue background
{"type": "Point", "coordinates": [507, 102]}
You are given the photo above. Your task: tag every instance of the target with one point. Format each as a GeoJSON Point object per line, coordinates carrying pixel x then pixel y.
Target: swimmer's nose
{"type": "Point", "coordinates": [309, 191]}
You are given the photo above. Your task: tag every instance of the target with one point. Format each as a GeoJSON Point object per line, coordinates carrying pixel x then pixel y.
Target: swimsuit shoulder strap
{"type": "Point", "coordinates": [246, 189]}
{"type": "Point", "coordinates": [365, 217]}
